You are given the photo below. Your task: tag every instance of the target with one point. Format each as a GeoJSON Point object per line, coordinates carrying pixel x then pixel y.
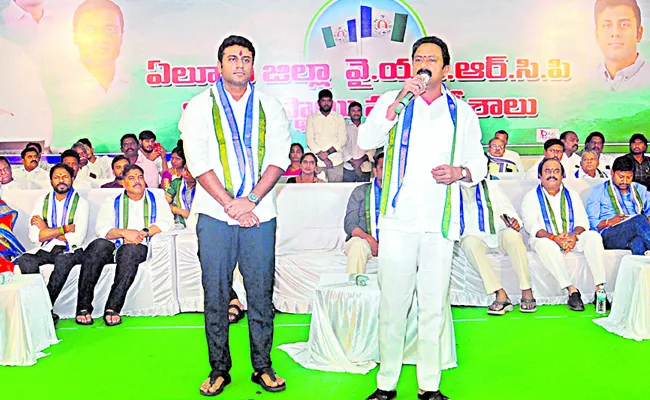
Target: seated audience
{"type": "Point", "coordinates": [641, 162]}
{"type": "Point", "coordinates": [153, 151]}
{"type": "Point", "coordinates": [489, 221]}
{"type": "Point", "coordinates": [589, 166]}
{"type": "Point", "coordinates": [596, 141]}
{"type": "Point", "coordinates": [41, 163]}
{"type": "Point", "coordinates": [618, 209]}
{"type": "Point", "coordinates": [7, 181]}
{"type": "Point", "coordinates": [117, 165]}
{"type": "Point", "coordinates": [356, 161]}
{"type": "Point", "coordinates": [58, 226]}
{"type": "Point", "coordinates": [497, 164]}
{"type": "Point", "coordinates": [98, 167]}
{"type": "Point", "coordinates": [10, 247]}
{"type": "Point", "coordinates": [509, 154]}
{"type": "Point", "coordinates": [71, 159]}
{"type": "Point", "coordinates": [178, 166]}
{"type": "Point", "coordinates": [29, 170]}
{"type": "Point", "coordinates": [124, 226]}
{"type": "Point", "coordinates": [553, 148]}
{"type": "Point", "coordinates": [129, 145]}
{"type": "Point", "coordinates": [570, 159]}
{"type": "Point", "coordinates": [83, 171]}
{"type": "Point", "coordinates": [180, 195]}
{"type": "Point", "coordinates": [307, 170]}
{"type": "Point", "coordinates": [295, 154]}
{"type": "Point", "coordinates": [556, 220]}
{"type": "Point", "coordinates": [361, 221]}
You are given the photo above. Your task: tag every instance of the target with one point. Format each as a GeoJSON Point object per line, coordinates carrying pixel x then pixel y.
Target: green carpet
{"type": "Point", "coordinates": [554, 353]}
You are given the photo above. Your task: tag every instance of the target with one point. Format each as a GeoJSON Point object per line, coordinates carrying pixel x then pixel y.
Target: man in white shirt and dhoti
{"type": "Point", "coordinates": [556, 220]}
{"type": "Point", "coordinates": [432, 146]}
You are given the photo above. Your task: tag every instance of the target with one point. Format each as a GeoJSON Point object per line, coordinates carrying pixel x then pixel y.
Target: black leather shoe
{"type": "Point", "coordinates": [575, 302]}
{"type": "Point", "coordinates": [437, 395]}
{"type": "Point", "coordinates": [383, 395]}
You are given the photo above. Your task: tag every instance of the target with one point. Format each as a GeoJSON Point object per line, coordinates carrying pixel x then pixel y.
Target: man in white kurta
{"type": "Point", "coordinates": [491, 222]}
{"type": "Point", "coordinates": [58, 225]}
{"type": "Point", "coordinates": [510, 154]}
{"type": "Point", "coordinates": [419, 228]}
{"type": "Point", "coordinates": [29, 170]}
{"type": "Point", "coordinates": [570, 159]}
{"type": "Point", "coordinates": [553, 148]}
{"type": "Point", "coordinates": [556, 220]}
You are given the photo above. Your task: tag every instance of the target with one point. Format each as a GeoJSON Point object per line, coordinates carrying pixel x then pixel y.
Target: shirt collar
{"type": "Point", "coordinates": [627, 72]}
{"type": "Point", "coordinates": [243, 99]}
{"type": "Point", "coordinates": [548, 194]}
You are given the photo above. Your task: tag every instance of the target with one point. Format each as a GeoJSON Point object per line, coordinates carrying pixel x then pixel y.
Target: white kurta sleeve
{"type": "Point", "coordinates": [472, 156]}
{"type": "Point", "coordinates": [195, 130]}
{"type": "Point", "coordinates": [374, 132]}
{"type": "Point", "coordinates": [164, 216]}
{"type": "Point", "coordinates": [505, 205]}
{"type": "Point", "coordinates": [34, 230]}
{"type": "Point", "coordinates": [532, 216]}
{"type": "Point", "coordinates": [106, 217]}
{"type": "Point", "coordinates": [579, 212]}
{"type": "Point", "coordinates": [78, 237]}
{"type": "Point", "coordinates": [278, 137]}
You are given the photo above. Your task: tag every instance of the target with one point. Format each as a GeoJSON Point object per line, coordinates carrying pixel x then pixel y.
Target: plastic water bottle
{"type": "Point", "coordinates": [6, 277]}
{"type": "Point", "coordinates": [601, 301]}
{"type": "Point", "coordinates": [358, 279]}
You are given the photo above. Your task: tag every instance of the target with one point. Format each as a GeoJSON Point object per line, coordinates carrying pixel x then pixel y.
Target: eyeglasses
{"type": "Point", "coordinates": [496, 147]}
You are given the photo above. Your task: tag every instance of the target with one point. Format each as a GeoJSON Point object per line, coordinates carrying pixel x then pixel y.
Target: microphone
{"type": "Point", "coordinates": [424, 75]}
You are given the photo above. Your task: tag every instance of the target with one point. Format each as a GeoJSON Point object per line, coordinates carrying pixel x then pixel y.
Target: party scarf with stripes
{"type": "Point", "coordinates": [121, 207]}
{"type": "Point", "coordinates": [50, 214]}
{"type": "Point", "coordinates": [615, 197]}
{"type": "Point", "coordinates": [481, 212]}
{"type": "Point", "coordinates": [373, 198]}
{"type": "Point", "coordinates": [550, 223]}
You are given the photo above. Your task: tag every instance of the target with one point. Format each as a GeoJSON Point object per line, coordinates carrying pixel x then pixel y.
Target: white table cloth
{"type": "Point", "coordinates": [26, 327]}
{"type": "Point", "coordinates": [630, 315]}
{"type": "Point", "coordinates": [344, 331]}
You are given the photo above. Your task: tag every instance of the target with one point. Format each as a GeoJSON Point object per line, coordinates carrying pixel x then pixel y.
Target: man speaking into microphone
{"type": "Point", "coordinates": [431, 148]}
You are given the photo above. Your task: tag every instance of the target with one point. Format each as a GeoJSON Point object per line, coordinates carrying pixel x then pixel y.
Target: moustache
{"type": "Point", "coordinates": [551, 178]}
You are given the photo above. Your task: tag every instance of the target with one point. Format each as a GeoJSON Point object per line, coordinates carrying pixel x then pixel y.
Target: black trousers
{"type": "Point", "coordinates": [63, 264]}
{"type": "Point", "coordinates": [221, 247]}
{"type": "Point", "coordinates": [99, 253]}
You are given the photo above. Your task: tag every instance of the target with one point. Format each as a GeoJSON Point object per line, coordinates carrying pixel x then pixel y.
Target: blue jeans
{"type": "Point", "coordinates": [633, 234]}
{"type": "Point", "coordinates": [221, 247]}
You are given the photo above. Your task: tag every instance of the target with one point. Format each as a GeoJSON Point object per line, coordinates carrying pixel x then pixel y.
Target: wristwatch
{"type": "Point", "coordinates": [463, 172]}
{"type": "Point", "coordinates": [146, 231]}
{"type": "Point", "coordinates": [254, 198]}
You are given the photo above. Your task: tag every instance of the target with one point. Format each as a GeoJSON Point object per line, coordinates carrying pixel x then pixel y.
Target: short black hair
{"type": "Point", "coordinates": [127, 136]}
{"type": "Point", "coordinates": [146, 135]}
{"type": "Point", "coordinates": [234, 40]}
{"type": "Point", "coordinates": [623, 164]}
{"type": "Point", "coordinates": [544, 161]}
{"type": "Point", "coordinates": [85, 142]}
{"type": "Point", "coordinates": [378, 156]}
{"type": "Point", "coordinates": [70, 153]}
{"type": "Point", "coordinates": [90, 5]}
{"type": "Point", "coordinates": [354, 104]}
{"type": "Point", "coordinates": [179, 151]}
{"type": "Point", "coordinates": [601, 5]}
{"type": "Point", "coordinates": [446, 59]}
{"type": "Point", "coordinates": [61, 165]}
{"type": "Point", "coordinates": [325, 93]}
{"type": "Point", "coordinates": [593, 135]}
{"type": "Point", "coordinates": [302, 149]}
{"type": "Point", "coordinates": [638, 136]}
{"type": "Point", "coordinates": [564, 134]}
{"type": "Point", "coordinates": [553, 142]}
{"type": "Point", "coordinates": [116, 159]}
{"type": "Point", "coordinates": [28, 149]}
{"type": "Point", "coordinates": [35, 145]}
{"type": "Point", "coordinates": [4, 159]}
{"type": "Point", "coordinates": [501, 132]}
{"type": "Point", "coordinates": [129, 167]}
{"type": "Point", "coordinates": [78, 145]}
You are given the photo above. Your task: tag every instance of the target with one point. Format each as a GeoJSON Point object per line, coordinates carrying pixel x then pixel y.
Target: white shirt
{"type": "Point", "coordinates": [101, 168]}
{"type": "Point", "coordinates": [37, 174]}
{"type": "Point", "coordinates": [605, 162]}
{"type": "Point", "coordinates": [580, 173]}
{"type": "Point", "coordinates": [23, 96]}
{"type": "Point", "coordinates": [23, 184]}
{"type": "Point", "coordinates": [82, 183]}
{"type": "Point", "coordinates": [106, 217]}
{"type": "Point", "coordinates": [515, 158]}
{"type": "Point", "coordinates": [633, 77]}
{"type": "Point", "coordinates": [421, 200]}
{"type": "Point", "coordinates": [571, 164]}
{"type": "Point", "coordinates": [501, 204]}
{"type": "Point", "coordinates": [202, 149]}
{"type": "Point", "coordinates": [157, 161]}
{"type": "Point", "coordinates": [76, 238]}
{"type": "Point", "coordinates": [532, 212]}
{"type": "Point", "coordinates": [323, 132]}
{"type": "Point", "coordinates": [351, 150]}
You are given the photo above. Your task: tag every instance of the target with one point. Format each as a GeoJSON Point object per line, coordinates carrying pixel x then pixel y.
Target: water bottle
{"type": "Point", "coordinates": [601, 300]}
{"type": "Point", "coordinates": [6, 277]}
{"type": "Point", "coordinates": [358, 279]}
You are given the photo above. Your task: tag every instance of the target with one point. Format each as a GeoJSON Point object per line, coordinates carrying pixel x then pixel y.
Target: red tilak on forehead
{"type": "Point", "coordinates": [240, 53]}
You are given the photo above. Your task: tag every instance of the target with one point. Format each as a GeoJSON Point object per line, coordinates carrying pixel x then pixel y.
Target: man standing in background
{"type": "Point", "coordinates": [326, 135]}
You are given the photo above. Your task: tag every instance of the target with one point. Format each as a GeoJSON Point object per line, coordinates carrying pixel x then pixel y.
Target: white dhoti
{"type": "Point", "coordinates": [512, 243]}
{"type": "Point", "coordinates": [410, 262]}
{"type": "Point", "coordinates": [589, 242]}
{"type": "Point", "coordinates": [358, 252]}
